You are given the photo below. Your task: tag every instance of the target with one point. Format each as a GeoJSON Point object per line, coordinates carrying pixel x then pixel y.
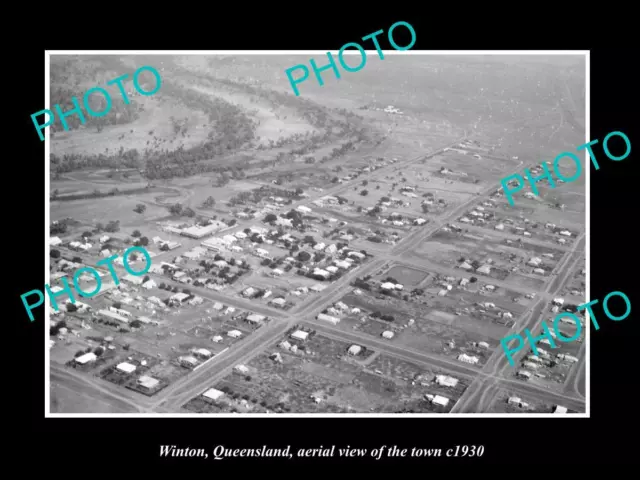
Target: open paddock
{"type": "Point", "coordinates": [448, 249]}
{"type": "Point", "coordinates": [432, 329]}
{"type": "Point", "coordinates": [407, 276]}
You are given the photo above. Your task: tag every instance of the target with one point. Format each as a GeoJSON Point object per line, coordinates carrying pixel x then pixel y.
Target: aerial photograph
{"type": "Point", "coordinates": [347, 250]}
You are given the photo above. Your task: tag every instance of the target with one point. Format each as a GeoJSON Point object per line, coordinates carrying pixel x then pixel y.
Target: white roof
{"type": "Point", "coordinates": [86, 358]}
{"type": "Point", "coordinates": [148, 382]}
{"type": "Point", "coordinates": [560, 409]}
{"type": "Point", "coordinates": [440, 400]}
{"type": "Point", "coordinates": [300, 335]}
{"type": "Point", "coordinates": [203, 351]}
{"type": "Point", "coordinates": [254, 317]}
{"type": "Point", "coordinates": [213, 394]}
{"type": "Point", "coordinates": [126, 367]}
{"type": "Point", "coordinates": [446, 381]}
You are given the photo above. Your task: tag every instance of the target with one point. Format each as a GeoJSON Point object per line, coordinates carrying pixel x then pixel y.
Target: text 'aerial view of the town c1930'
{"type": "Point", "coordinates": [346, 251]}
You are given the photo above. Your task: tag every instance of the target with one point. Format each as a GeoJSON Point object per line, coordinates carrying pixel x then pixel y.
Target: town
{"type": "Point", "coordinates": [348, 251]}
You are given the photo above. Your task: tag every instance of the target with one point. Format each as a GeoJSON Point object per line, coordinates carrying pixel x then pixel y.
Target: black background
{"type": "Point", "coordinates": [119, 444]}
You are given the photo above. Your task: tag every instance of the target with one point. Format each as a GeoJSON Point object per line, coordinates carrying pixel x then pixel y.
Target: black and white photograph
{"type": "Point", "coordinates": [275, 233]}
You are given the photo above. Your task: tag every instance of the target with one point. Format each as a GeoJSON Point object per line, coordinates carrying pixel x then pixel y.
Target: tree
{"type": "Point", "coordinates": [54, 253]}
{"type": "Point", "coordinates": [144, 241]}
{"type": "Point", "coordinates": [269, 218]}
{"type": "Point", "coordinates": [99, 227]}
{"type": "Point", "coordinates": [425, 208]}
{"type": "Point", "coordinates": [99, 351]}
{"type": "Point", "coordinates": [140, 208]}
{"type": "Point", "coordinates": [304, 256]}
{"type": "Point", "coordinates": [135, 324]}
{"type": "Point", "coordinates": [112, 226]}
{"type": "Point", "coordinates": [87, 235]}
{"type": "Point", "coordinates": [175, 209]}
{"type": "Point", "coordinates": [136, 233]}
{"type": "Point", "coordinates": [365, 183]}
{"type": "Point", "coordinates": [209, 202]}
{"type": "Point", "coordinates": [79, 353]}
{"type": "Point", "coordinates": [117, 305]}
{"type": "Point", "coordinates": [188, 212]}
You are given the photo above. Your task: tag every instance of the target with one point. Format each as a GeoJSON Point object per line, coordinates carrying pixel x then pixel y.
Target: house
{"type": "Point", "coordinates": [202, 352]}
{"type": "Point", "coordinates": [354, 350]}
{"type": "Point", "coordinates": [446, 381]}
{"type": "Point", "coordinates": [321, 273]}
{"type": "Point", "coordinates": [86, 358]}
{"type": "Point", "coordinates": [125, 367]}
{"type": "Point", "coordinates": [217, 339]}
{"type": "Point", "coordinates": [328, 318]}
{"type": "Point", "coordinates": [559, 409]}
{"type": "Point", "coordinates": [179, 297]}
{"type": "Point", "coordinates": [279, 302]}
{"type": "Point", "coordinates": [524, 374]}
{"type": "Point", "coordinates": [106, 314]}
{"type": "Point", "coordinates": [241, 369]}
{"type": "Point", "coordinates": [300, 335]}
{"type": "Point", "coordinates": [132, 279]}
{"type": "Point", "coordinates": [234, 334]}
{"type": "Point", "coordinates": [255, 318]}
{"type": "Point", "coordinates": [249, 292]}
{"type": "Point", "coordinates": [439, 400]}
{"type": "Point", "coordinates": [468, 359]}
{"type": "Point", "coordinates": [54, 241]}
{"type": "Point", "coordinates": [484, 269]}
{"type": "Point", "coordinates": [303, 209]}
{"type": "Point", "coordinates": [466, 266]}
{"type": "Point", "coordinates": [517, 401]}
{"type": "Point", "coordinates": [388, 334]}
{"type": "Point", "coordinates": [149, 284]}
{"type": "Point", "coordinates": [189, 361]}
{"type": "Point", "coordinates": [213, 394]}
{"type": "Point", "coordinates": [534, 261]}
{"type": "Point", "coordinates": [342, 264]}
{"type": "Point", "coordinates": [388, 286]}
{"type": "Point", "coordinates": [147, 383]}
{"type": "Point", "coordinates": [121, 312]}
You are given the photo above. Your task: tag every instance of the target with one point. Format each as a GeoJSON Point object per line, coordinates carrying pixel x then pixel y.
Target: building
{"type": "Point", "coordinates": [234, 334]}
{"type": "Point", "coordinates": [213, 394]}
{"type": "Point", "coordinates": [107, 315]}
{"type": "Point", "coordinates": [446, 381]}
{"type": "Point", "coordinates": [300, 335]}
{"type": "Point", "coordinates": [559, 409]}
{"type": "Point", "coordinates": [179, 297]}
{"type": "Point", "coordinates": [189, 361]}
{"type": "Point", "coordinates": [468, 359]}
{"type": "Point", "coordinates": [125, 367]}
{"type": "Point", "coordinates": [354, 349]}
{"type": "Point", "coordinates": [241, 369]}
{"type": "Point", "coordinates": [86, 358]}
{"type": "Point", "coordinates": [132, 279]}
{"type": "Point", "coordinates": [328, 318]}
{"type": "Point", "coordinates": [388, 334]}
{"type": "Point", "coordinates": [198, 231]}
{"type": "Point", "coordinates": [147, 383]}
{"type": "Point", "coordinates": [255, 318]}
{"type": "Point", "coordinates": [202, 352]}
{"type": "Point", "coordinates": [440, 400]}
